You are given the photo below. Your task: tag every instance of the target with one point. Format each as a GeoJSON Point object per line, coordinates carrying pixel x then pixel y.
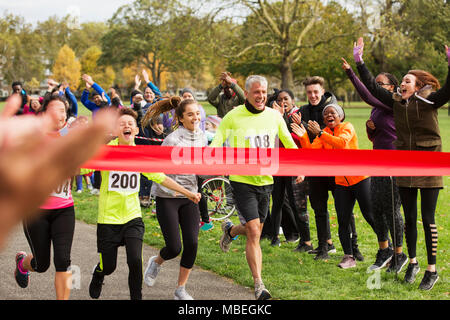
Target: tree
{"type": "Point", "coordinates": [276, 34]}
{"type": "Point", "coordinates": [404, 38]}
{"type": "Point", "coordinates": [103, 75]}
{"type": "Point", "coordinates": [162, 36]}
{"type": "Point", "coordinates": [67, 67]}
{"type": "Point", "coordinates": [20, 52]}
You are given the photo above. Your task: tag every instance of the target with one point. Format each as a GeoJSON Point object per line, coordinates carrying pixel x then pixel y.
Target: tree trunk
{"type": "Point", "coordinates": [287, 77]}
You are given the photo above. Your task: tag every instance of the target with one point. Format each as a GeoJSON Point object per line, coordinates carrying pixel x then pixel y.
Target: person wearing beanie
{"type": "Point", "coordinates": [340, 135]}
{"type": "Point", "coordinates": [319, 187]}
{"type": "Point", "coordinates": [226, 95]}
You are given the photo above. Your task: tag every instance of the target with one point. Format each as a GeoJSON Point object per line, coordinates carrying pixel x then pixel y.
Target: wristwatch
{"type": "Point", "coordinates": [320, 133]}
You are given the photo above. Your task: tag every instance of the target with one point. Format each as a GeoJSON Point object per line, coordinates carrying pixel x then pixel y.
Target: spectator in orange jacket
{"type": "Point", "coordinates": [340, 135]}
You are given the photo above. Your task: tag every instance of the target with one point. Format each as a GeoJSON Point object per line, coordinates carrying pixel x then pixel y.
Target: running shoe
{"type": "Point", "coordinates": [261, 293]}
{"type": "Point", "coordinates": [303, 247]}
{"type": "Point", "coordinates": [429, 280]}
{"type": "Point", "coordinates": [383, 257]}
{"type": "Point", "coordinates": [398, 261]}
{"type": "Point", "coordinates": [95, 287]}
{"type": "Point", "coordinates": [347, 262]}
{"type": "Point", "coordinates": [22, 278]}
{"type": "Point", "coordinates": [151, 272]}
{"type": "Point", "coordinates": [411, 272]}
{"type": "Point", "coordinates": [275, 242]}
{"type": "Point", "coordinates": [357, 254]}
{"type": "Point", "coordinates": [181, 294]}
{"type": "Point", "coordinates": [225, 240]}
{"type": "Point", "coordinates": [330, 249]}
{"type": "Point", "coordinates": [322, 254]}
{"type": "Point", "coordinates": [206, 226]}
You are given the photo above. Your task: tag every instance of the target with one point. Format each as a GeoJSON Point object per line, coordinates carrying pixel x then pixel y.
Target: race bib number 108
{"type": "Point", "coordinates": [124, 181]}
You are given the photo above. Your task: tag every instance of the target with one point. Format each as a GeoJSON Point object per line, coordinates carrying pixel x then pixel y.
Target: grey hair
{"type": "Point", "coordinates": [338, 109]}
{"type": "Point", "coordinates": [254, 79]}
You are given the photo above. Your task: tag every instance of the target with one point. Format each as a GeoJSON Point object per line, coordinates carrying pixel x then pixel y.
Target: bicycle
{"type": "Point", "coordinates": [218, 192]}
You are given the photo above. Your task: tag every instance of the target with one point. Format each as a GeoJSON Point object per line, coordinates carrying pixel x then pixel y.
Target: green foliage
{"type": "Point", "coordinates": [103, 75]}
{"type": "Point", "coordinates": [162, 36]}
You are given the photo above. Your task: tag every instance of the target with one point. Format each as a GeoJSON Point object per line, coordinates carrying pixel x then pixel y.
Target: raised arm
{"type": "Point", "coordinates": [73, 101]}
{"type": "Point", "coordinates": [383, 95]}
{"type": "Point", "coordinates": [151, 85]}
{"type": "Point", "coordinates": [442, 96]}
{"type": "Point", "coordinates": [365, 94]}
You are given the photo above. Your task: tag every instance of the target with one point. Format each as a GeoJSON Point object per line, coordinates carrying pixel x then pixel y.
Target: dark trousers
{"type": "Point", "coordinates": [203, 204]}
{"type": "Point", "coordinates": [55, 226]}
{"type": "Point", "coordinates": [318, 197]}
{"type": "Point", "coordinates": [428, 199]}
{"type": "Point", "coordinates": [345, 199]}
{"type": "Point", "coordinates": [109, 239]}
{"type": "Point", "coordinates": [174, 214]}
{"type": "Point", "coordinates": [295, 211]}
{"type": "Point", "coordinates": [386, 209]}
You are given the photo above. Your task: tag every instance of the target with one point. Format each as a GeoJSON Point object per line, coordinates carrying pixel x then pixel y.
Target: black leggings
{"type": "Point", "coordinates": [110, 238]}
{"type": "Point", "coordinates": [173, 214]}
{"type": "Point", "coordinates": [318, 197]}
{"type": "Point", "coordinates": [203, 204]}
{"type": "Point", "coordinates": [345, 198]}
{"type": "Point", "coordinates": [57, 226]}
{"type": "Point", "coordinates": [386, 209]}
{"type": "Point", "coordinates": [428, 201]}
{"type": "Point", "coordinates": [297, 197]}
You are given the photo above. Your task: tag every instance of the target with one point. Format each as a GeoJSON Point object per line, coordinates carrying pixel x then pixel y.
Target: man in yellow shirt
{"type": "Point", "coordinates": [252, 125]}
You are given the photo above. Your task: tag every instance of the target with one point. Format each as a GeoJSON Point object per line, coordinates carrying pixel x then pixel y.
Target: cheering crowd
{"type": "Point", "coordinates": [403, 117]}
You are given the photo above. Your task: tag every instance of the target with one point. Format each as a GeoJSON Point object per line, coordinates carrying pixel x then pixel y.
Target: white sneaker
{"type": "Point", "coordinates": [261, 293]}
{"type": "Point", "coordinates": [151, 271]}
{"type": "Point", "coordinates": [95, 191]}
{"type": "Point", "coordinates": [181, 294]}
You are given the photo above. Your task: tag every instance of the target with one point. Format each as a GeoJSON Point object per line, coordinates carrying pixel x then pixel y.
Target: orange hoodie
{"type": "Point", "coordinates": [342, 137]}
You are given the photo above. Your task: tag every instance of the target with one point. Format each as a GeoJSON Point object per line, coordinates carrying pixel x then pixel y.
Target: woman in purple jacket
{"type": "Point", "coordinates": [385, 197]}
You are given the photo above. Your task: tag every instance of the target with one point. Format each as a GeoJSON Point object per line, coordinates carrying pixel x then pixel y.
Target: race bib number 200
{"type": "Point", "coordinates": [124, 181]}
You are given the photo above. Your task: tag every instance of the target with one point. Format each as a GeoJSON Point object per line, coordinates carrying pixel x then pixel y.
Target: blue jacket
{"type": "Point", "coordinates": [73, 102]}
{"type": "Point", "coordinates": [89, 104]}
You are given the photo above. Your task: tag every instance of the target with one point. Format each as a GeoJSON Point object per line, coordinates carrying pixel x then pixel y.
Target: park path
{"type": "Point", "coordinates": [202, 285]}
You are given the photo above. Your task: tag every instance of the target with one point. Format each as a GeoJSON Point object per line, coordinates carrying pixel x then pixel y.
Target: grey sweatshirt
{"type": "Point", "coordinates": [181, 138]}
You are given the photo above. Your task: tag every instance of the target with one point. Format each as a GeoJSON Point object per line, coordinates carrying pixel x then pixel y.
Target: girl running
{"type": "Point", "coordinates": [173, 210]}
{"type": "Point", "coordinates": [54, 225]}
{"type": "Point", "coordinates": [415, 109]}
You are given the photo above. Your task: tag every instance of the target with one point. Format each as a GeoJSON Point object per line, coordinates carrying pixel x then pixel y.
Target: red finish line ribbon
{"type": "Point", "coordinates": [278, 162]}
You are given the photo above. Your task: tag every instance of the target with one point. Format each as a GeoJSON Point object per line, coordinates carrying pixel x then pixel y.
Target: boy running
{"type": "Point", "coordinates": [119, 216]}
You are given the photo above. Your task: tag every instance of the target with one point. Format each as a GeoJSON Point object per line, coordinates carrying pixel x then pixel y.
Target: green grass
{"type": "Point", "coordinates": [290, 275]}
